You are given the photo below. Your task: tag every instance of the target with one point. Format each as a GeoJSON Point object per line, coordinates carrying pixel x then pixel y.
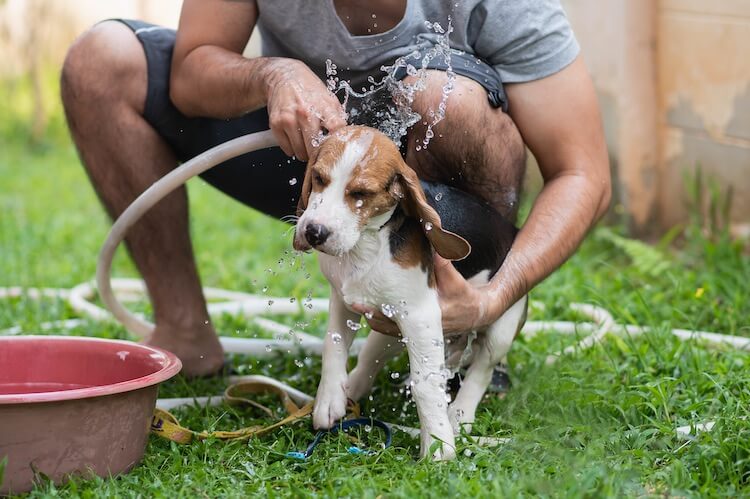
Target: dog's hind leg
{"type": "Point", "coordinates": [491, 348]}
{"type": "Point", "coordinates": [423, 334]}
{"type": "Point", "coordinates": [376, 351]}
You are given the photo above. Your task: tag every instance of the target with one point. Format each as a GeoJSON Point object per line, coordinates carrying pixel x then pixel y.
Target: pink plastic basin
{"type": "Point", "coordinates": [74, 405]}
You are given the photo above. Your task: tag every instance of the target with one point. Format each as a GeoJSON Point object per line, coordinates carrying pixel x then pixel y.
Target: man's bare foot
{"type": "Point", "coordinates": [199, 350]}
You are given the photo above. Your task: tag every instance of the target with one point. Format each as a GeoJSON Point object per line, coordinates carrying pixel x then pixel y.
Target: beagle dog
{"type": "Point", "coordinates": [375, 227]}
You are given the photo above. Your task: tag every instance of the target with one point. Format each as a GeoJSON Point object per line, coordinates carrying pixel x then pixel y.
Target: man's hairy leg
{"type": "Point", "coordinates": [476, 148]}
{"type": "Point", "coordinates": [103, 91]}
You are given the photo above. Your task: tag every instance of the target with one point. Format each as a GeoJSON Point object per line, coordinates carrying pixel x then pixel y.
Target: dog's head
{"type": "Point", "coordinates": [353, 183]}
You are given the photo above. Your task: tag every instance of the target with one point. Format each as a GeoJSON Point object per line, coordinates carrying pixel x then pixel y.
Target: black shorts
{"type": "Point", "coordinates": [266, 180]}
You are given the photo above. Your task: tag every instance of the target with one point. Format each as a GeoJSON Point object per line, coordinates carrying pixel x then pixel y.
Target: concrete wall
{"type": "Point", "coordinates": [704, 87]}
{"type": "Point", "coordinates": [673, 78]}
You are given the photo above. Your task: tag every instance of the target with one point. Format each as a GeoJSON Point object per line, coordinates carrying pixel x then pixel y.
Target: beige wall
{"type": "Point", "coordinates": [673, 78]}
{"type": "Point", "coordinates": [704, 85]}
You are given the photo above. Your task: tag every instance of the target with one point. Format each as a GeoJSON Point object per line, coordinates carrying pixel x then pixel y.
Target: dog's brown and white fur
{"type": "Point", "coordinates": [367, 216]}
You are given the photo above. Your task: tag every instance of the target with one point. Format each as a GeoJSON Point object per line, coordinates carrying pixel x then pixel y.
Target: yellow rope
{"type": "Point", "coordinates": [165, 425]}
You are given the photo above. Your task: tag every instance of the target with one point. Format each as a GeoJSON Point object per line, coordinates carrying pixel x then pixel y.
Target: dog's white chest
{"type": "Point", "coordinates": [370, 277]}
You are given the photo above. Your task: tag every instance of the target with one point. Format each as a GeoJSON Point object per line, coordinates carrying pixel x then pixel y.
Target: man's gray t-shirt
{"type": "Point", "coordinates": [523, 40]}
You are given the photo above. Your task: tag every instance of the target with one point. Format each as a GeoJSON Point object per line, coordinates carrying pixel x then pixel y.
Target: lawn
{"type": "Point", "coordinates": [597, 423]}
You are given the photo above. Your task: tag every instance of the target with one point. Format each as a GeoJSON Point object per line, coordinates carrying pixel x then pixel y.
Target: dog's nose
{"type": "Point", "coordinates": [316, 234]}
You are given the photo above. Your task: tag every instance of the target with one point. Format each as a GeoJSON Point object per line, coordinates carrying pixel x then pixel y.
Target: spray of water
{"type": "Point", "coordinates": [397, 115]}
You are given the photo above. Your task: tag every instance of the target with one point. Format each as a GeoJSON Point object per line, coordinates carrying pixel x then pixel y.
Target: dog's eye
{"type": "Point", "coordinates": [317, 179]}
{"type": "Point", "coordinates": [359, 194]}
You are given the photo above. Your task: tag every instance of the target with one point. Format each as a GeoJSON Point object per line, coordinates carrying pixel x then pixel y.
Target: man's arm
{"type": "Point", "coordinates": [559, 120]}
{"type": "Point", "coordinates": [211, 78]}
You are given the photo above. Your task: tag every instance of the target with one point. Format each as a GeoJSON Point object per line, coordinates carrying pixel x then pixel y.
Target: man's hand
{"type": "Point", "coordinates": [211, 78]}
{"type": "Point", "coordinates": [299, 107]}
{"type": "Point", "coordinates": [464, 307]}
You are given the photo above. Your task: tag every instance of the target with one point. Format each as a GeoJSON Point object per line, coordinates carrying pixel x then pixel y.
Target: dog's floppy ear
{"type": "Point", "coordinates": [447, 244]}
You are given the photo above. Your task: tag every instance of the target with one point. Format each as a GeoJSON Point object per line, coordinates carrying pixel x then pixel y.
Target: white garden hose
{"type": "Point", "coordinates": [158, 191]}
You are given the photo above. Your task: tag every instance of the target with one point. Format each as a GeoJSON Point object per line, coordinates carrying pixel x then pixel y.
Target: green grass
{"type": "Point", "coordinates": [598, 423]}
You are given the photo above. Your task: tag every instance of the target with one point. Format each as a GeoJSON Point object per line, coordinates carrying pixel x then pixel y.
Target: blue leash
{"type": "Point", "coordinates": [345, 425]}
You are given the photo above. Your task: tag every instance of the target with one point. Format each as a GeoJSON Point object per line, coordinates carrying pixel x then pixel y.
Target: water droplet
{"type": "Point", "coordinates": [268, 348]}
{"type": "Point", "coordinates": [270, 302]}
{"type": "Point", "coordinates": [395, 375]}
{"type": "Point", "coordinates": [428, 226]}
{"type": "Point", "coordinates": [292, 181]}
{"type": "Point", "coordinates": [265, 289]}
{"type": "Point", "coordinates": [292, 299]}
{"type": "Point", "coordinates": [437, 343]}
{"type": "Point", "coordinates": [335, 337]}
{"type": "Point", "coordinates": [299, 363]}
{"type": "Point", "coordinates": [369, 315]}
{"type": "Point", "coordinates": [359, 203]}
{"type": "Point", "coordinates": [388, 310]}
{"type": "Point", "coordinates": [438, 196]}
{"type": "Point", "coordinates": [354, 326]}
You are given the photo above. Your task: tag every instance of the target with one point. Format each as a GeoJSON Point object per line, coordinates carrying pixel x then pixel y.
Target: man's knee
{"type": "Point", "coordinates": [106, 63]}
{"type": "Point", "coordinates": [475, 147]}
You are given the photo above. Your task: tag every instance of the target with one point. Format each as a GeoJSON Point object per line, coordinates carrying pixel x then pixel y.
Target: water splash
{"type": "Point", "coordinates": [396, 116]}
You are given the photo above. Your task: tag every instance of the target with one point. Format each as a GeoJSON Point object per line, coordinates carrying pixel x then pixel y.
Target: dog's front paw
{"type": "Point", "coordinates": [440, 446]}
{"type": "Point", "coordinates": [330, 406]}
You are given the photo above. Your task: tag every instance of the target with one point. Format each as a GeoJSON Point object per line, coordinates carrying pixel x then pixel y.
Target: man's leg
{"type": "Point", "coordinates": [104, 91]}
{"type": "Point", "coordinates": [476, 148]}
